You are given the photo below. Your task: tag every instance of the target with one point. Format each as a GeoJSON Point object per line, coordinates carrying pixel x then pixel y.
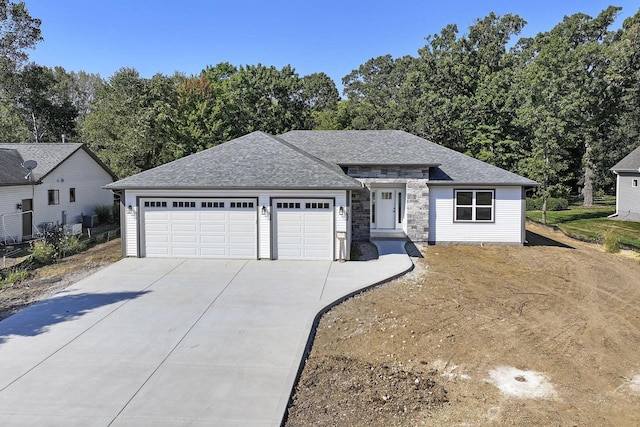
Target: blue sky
{"type": "Point", "coordinates": [335, 37]}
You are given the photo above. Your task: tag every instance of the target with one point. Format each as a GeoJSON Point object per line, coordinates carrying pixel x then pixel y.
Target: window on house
{"type": "Point", "coordinates": [54, 197]}
{"type": "Point", "coordinates": [72, 195]}
{"type": "Point", "coordinates": [634, 183]}
{"type": "Point", "coordinates": [474, 205]}
{"type": "Point", "coordinates": [399, 208]}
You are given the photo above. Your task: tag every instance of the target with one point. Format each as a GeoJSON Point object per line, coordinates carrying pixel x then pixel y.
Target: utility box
{"type": "Point", "coordinates": [73, 229]}
{"type": "Point", "coordinates": [89, 221]}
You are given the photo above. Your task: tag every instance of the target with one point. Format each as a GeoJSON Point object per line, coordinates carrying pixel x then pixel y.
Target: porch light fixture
{"type": "Point", "coordinates": [130, 208]}
{"type": "Point", "coordinates": [264, 210]}
{"type": "Point", "coordinates": [19, 206]}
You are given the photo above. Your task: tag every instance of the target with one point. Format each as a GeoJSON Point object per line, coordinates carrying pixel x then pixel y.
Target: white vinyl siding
{"type": "Point", "coordinates": [9, 199]}
{"type": "Point", "coordinates": [506, 226]}
{"type": "Point", "coordinates": [79, 171]}
{"type": "Point", "coordinates": [628, 195]}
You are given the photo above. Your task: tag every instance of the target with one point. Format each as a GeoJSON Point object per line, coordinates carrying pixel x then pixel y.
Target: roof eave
{"type": "Point", "coordinates": [483, 184]}
{"type": "Point", "coordinates": [406, 165]}
{"type": "Point", "coordinates": [182, 187]}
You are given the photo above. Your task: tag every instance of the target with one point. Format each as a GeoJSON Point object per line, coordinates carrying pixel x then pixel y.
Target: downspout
{"type": "Point", "coordinates": [615, 214]}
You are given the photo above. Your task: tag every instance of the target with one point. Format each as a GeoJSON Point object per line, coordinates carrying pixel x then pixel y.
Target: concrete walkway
{"type": "Point", "coordinates": [171, 342]}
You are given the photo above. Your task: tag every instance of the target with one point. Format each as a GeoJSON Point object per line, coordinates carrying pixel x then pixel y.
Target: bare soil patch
{"type": "Point", "coordinates": [46, 281]}
{"type": "Point", "coordinates": [538, 335]}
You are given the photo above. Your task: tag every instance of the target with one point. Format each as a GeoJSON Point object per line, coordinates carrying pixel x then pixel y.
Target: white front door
{"type": "Point", "coordinates": [386, 209]}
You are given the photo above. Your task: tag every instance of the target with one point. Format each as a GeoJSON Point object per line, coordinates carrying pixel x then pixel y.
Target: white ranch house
{"type": "Point", "coordinates": [309, 194]}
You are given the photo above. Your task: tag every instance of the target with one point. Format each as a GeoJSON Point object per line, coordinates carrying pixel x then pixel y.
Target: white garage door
{"type": "Point", "coordinates": [303, 229]}
{"type": "Point", "coordinates": [200, 228]}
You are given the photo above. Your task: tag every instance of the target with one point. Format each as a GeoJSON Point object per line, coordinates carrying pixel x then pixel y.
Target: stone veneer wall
{"type": "Point", "coordinates": [387, 172]}
{"type": "Point", "coordinates": [360, 214]}
{"type": "Point", "coordinates": [417, 203]}
{"type": "Point", "coordinates": [417, 210]}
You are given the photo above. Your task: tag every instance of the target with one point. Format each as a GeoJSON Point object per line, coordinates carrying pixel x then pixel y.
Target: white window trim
{"type": "Point", "coordinates": [474, 206]}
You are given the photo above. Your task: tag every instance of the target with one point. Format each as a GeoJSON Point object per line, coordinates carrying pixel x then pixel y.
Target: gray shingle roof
{"type": "Point", "coordinates": [393, 147]}
{"type": "Point", "coordinates": [630, 163]}
{"type": "Point", "coordinates": [49, 156]}
{"type": "Point", "coordinates": [11, 170]}
{"type": "Point", "coordinates": [256, 160]}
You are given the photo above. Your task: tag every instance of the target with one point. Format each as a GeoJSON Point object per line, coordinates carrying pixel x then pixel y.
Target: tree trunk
{"type": "Point", "coordinates": [544, 209]}
{"type": "Point", "coordinates": [587, 190]}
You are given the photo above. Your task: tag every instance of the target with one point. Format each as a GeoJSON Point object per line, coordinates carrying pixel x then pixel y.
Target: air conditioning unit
{"type": "Point", "coordinates": [73, 229]}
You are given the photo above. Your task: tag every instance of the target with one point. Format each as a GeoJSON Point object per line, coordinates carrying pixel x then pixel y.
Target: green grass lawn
{"type": "Point", "coordinates": [592, 224]}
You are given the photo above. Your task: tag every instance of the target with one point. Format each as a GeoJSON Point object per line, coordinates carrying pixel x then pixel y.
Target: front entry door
{"type": "Point", "coordinates": [27, 218]}
{"type": "Point", "coordinates": [386, 209]}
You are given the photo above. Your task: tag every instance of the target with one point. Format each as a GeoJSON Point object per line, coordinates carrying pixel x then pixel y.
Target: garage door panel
{"type": "Point", "coordinates": [213, 228]}
{"type": "Point", "coordinates": [201, 230]}
{"type": "Point", "coordinates": [242, 228]}
{"type": "Point", "coordinates": [213, 239]}
{"type": "Point", "coordinates": [240, 239]}
{"type": "Point", "coordinates": [214, 216]}
{"type": "Point", "coordinates": [183, 227]}
{"type": "Point", "coordinates": [183, 215]}
{"type": "Point", "coordinates": [213, 252]}
{"type": "Point", "coordinates": [181, 239]}
{"type": "Point", "coordinates": [184, 252]}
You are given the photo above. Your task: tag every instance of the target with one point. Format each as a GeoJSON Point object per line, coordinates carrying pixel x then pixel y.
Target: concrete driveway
{"type": "Point", "coordinates": [168, 342]}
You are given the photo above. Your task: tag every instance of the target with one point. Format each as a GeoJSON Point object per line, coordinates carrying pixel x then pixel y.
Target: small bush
{"type": "Point", "coordinates": [70, 245]}
{"type": "Point", "coordinates": [104, 213]}
{"type": "Point", "coordinates": [611, 243]}
{"type": "Point", "coordinates": [553, 204]}
{"type": "Point", "coordinates": [43, 252]}
{"type": "Point", "coordinates": [14, 276]}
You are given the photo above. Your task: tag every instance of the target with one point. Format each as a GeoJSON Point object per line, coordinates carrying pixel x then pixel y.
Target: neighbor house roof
{"type": "Point", "coordinates": [11, 170]}
{"type": "Point", "coordinates": [256, 160]}
{"type": "Point", "coordinates": [631, 163]}
{"type": "Point", "coordinates": [48, 156]}
{"type": "Point", "coordinates": [394, 148]}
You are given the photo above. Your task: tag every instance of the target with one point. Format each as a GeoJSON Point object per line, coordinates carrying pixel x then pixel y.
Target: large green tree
{"type": "Point", "coordinates": [566, 101]}
{"type": "Point", "coordinates": [131, 125]}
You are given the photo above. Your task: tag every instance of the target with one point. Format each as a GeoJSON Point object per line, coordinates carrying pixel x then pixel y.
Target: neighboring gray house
{"type": "Point", "coordinates": [66, 183]}
{"type": "Point", "coordinates": [303, 194]}
{"type": "Point", "coordinates": [627, 173]}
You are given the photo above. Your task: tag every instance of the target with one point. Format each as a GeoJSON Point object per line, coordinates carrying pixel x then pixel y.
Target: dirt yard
{"type": "Point", "coordinates": [538, 335]}
{"type": "Point", "coordinates": [48, 280]}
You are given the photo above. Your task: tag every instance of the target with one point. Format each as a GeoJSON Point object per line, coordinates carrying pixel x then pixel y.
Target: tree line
{"type": "Point", "coordinates": [560, 108]}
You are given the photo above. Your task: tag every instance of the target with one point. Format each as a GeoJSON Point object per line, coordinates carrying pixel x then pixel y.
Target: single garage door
{"type": "Point", "coordinates": [200, 228]}
{"type": "Point", "coordinates": [304, 229]}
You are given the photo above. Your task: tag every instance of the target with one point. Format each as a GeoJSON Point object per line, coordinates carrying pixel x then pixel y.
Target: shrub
{"type": "Point", "coordinates": [611, 243]}
{"type": "Point", "coordinates": [70, 245]}
{"type": "Point", "coordinates": [14, 276]}
{"type": "Point", "coordinates": [553, 204]}
{"type": "Point", "coordinates": [104, 213]}
{"type": "Point", "coordinates": [43, 252]}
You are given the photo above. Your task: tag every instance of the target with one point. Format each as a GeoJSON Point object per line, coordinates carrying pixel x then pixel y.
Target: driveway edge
{"type": "Point", "coordinates": [314, 328]}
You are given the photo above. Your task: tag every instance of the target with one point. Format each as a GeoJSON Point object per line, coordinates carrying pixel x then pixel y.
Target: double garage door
{"type": "Point", "coordinates": [228, 228]}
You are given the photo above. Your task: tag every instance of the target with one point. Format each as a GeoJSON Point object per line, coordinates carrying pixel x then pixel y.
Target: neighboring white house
{"type": "Point", "coordinates": [67, 183]}
{"type": "Point", "coordinates": [627, 173]}
{"type": "Point", "coordinates": [308, 194]}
